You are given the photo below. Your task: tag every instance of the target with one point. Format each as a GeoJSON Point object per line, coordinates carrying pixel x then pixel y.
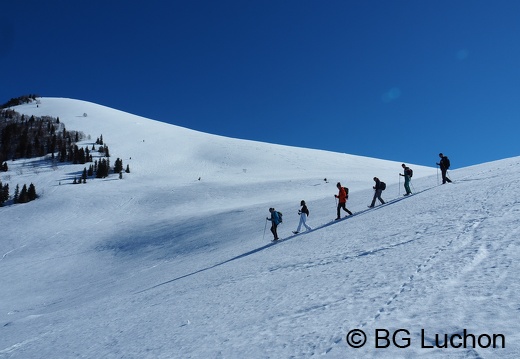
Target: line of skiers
{"type": "Point", "coordinates": [342, 197]}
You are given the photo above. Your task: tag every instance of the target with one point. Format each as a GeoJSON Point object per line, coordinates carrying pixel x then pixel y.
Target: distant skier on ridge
{"type": "Point", "coordinates": [444, 164]}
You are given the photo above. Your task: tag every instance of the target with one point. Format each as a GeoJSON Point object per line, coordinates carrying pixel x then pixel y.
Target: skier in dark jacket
{"type": "Point", "coordinates": [444, 164]}
{"type": "Point", "coordinates": [275, 221]}
{"type": "Point", "coordinates": [407, 176]}
{"type": "Point", "coordinates": [378, 189]}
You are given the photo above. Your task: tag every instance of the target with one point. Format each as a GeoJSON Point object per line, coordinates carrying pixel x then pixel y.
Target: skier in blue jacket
{"type": "Point", "coordinates": [275, 221]}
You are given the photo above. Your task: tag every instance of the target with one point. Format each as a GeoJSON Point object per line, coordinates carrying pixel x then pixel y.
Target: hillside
{"type": "Point", "coordinates": [174, 260]}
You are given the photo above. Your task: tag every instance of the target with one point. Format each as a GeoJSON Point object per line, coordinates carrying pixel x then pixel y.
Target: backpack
{"type": "Point", "coordinates": [410, 172]}
{"type": "Point", "coordinates": [279, 216]}
{"type": "Point", "coordinates": [382, 185]}
{"type": "Point", "coordinates": [346, 191]}
{"type": "Point", "coordinates": [447, 162]}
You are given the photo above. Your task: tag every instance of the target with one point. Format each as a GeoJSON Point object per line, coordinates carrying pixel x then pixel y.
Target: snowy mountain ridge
{"type": "Point", "coordinates": [175, 259]}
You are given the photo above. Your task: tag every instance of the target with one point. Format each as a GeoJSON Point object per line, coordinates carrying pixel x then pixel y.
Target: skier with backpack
{"type": "Point", "coordinates": [342, 197]}
{"type": "Point", "coordinates": [378, 190]}
{"type": "Point", "coordinates": [276, 219]}
{"type": "Point", "coordinates": [444, 164]}
{"type": "Point", "coordinates": [408, 173]}
{"type": "Point", "coordinates": [303, 213]}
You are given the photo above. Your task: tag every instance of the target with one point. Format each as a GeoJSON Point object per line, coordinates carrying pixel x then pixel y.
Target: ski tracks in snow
{"type": "Point", "coordinates": [465, 236]}
{"type": "Point", "coordinates": [11, 251]}
{"type": "Point", "coordinates": [408, 285]}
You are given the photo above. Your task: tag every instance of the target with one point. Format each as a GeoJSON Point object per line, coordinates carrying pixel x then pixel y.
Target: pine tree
{"type": "Point", "coordinates": [16, 194]}
{"type": "Point", "coordinates": [84, 175]}
{"type": "Point", "coordinates": [4, 193]}
{"type": "Point", "coordinates": [102, 169]}
{"type": "Point", "coordinates": [24, 197]}
{"type": "Point", "coordinates": [31, 193]}
{"type": "Point", "coordinates": [118, 166]}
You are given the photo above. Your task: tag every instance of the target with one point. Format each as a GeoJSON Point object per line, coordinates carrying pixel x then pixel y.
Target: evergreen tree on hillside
{"type": "Point", "coordinates": [103, 169]}
{"type": "Point", "coordinates": [4, 193]}
{"type": "Point", "coordinates": [19, 100]}
{"type": "Point", "coordinates": [84, 175]}
{"type": "Point", "coordinates": [118, 166]}
{"type": "Point", "coordinates": [24, 197]}
{"type": "Point", "coordinates": [88, 156]}
{"type": "Point", "coordinates": [16, 194]}
{"type": "Point", "coordinates": [31, 193]}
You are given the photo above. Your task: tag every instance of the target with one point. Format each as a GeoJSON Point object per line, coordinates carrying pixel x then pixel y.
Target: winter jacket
{"type": "Point", "coordinates": [305, 210]}
{"type": "Point", "coordinates": [407, 171]}
{"type": "Point", "coordinates": [443, 163]}
{"type": "Point", "coordinates": [274, 218]}
{"type": "Point", "coordinates": [342, 195]}
{"type": "Point", "coordinates": [378, 184]}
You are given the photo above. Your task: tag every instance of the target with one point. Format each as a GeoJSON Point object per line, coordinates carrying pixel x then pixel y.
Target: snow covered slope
{"type": "Point", "coordinates": [161, 264]}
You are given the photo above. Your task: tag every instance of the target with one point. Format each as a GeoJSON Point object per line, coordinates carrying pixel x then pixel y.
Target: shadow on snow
{"type": "Point", "coordinates": [262, 248]}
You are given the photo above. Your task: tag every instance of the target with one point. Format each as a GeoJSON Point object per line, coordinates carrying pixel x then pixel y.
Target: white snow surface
{"type": "Point", "coordinates": [160, 264]}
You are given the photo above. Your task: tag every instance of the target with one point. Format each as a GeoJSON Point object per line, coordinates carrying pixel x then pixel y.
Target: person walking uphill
{"type": "Point", "coordinates": [342, 200]}
{"type": "Point", "coordinates": [407, 176]}
{"type": "Point", "coordinates": [275, 221]}
{"type": "Point", "coordinates": [444, 164]}
{"type": "Point", "coordinates": [304, 213]}
{"type": "Point", "coordinates": [379, 188]}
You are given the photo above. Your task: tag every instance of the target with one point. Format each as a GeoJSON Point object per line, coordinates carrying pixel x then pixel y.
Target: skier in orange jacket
{"type": "Point", "coordinates": [342, 200]}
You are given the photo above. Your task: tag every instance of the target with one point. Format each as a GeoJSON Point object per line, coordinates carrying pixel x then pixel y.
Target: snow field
{"type": "Point", "coordinates": [162, 265]}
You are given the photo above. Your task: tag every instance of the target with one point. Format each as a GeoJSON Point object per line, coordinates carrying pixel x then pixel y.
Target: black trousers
{"type": "Point", "coordinates": [444, 177]}
{"type": "Point", "coordinates": [273, 230]}
{"type": "Point", "coordinates": [343, 205]}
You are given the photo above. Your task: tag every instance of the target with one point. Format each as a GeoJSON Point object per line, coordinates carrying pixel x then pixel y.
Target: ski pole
{"type": "Point", "coordinates": [399, 193]}
{"type": "Point", "coordinates": [412, 185]}
{"type": "Point", "coordinates": [265, 227]}
{"type": "Point", "coordinates": [437, 175]}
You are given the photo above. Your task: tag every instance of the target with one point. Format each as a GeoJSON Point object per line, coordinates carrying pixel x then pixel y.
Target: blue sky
{"type": "Point", "coordinates": [398, 80]}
